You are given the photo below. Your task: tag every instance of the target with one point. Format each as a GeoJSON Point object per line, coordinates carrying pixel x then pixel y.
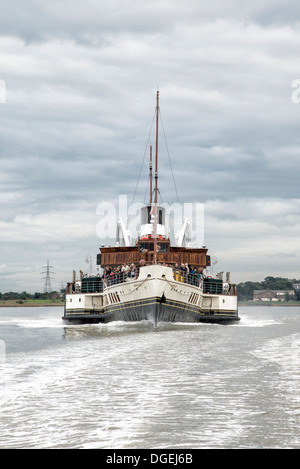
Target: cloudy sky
{"type": "Point", "coordinates": [78, 83]}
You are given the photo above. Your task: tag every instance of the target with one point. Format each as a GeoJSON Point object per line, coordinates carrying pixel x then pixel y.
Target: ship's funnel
{"type": "Point", "coordinates": [147, 221]}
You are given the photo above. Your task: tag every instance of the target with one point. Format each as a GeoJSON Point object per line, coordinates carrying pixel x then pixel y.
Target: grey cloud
{"type": "Point", "coordinates": [81, 84]}
{"type": "Point", "coordinates": [88, 22]}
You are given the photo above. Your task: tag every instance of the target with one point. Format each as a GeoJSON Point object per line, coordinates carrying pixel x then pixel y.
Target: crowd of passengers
{"type": "Point", "coordinates": [188, 274]}
{"type": "Point", "coordinates": [120, 274]}
{"type": "Point", "coordinates": [182, 272]}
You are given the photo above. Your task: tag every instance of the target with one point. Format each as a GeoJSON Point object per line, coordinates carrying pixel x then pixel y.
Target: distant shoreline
{"type": "Point", "coordinates": [269, 303]}
{"type": "Point", "coordinates": [30, 303]}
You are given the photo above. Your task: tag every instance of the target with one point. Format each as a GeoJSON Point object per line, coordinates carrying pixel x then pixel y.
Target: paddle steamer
{"type": "Point", "coordinates": [152, 279]}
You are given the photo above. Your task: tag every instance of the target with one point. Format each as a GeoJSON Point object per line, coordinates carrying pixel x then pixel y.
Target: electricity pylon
{"type": "Point", "coordinates": [48, 286]}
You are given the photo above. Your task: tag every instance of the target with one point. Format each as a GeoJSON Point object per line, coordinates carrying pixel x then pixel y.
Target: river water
{"type": "Point", "coordinates": [126, 385]}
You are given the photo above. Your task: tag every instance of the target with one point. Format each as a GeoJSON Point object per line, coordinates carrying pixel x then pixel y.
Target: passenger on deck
{"type": "Point", "coordinates": [120, 274]}
{"type": "Point", "coordinates": [132, 271]}
{"type": "Point", "coordinates": [125, 269]}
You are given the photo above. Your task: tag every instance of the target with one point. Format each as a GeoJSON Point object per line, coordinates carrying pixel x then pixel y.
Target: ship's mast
{"type": "Point", "coordinates": [156, 178]}
{"type": "Point", "coordinates": [150, 167]}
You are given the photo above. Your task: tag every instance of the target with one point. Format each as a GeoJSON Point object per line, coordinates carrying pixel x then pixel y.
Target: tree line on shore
{"type": "Point", "coordinates": [245, 289]}
{"type": "Point", "coordinates": [30, 296]}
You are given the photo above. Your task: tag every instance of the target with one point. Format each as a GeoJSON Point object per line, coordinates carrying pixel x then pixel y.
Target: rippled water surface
{"type": "Point", "coordinates": [127, 385]}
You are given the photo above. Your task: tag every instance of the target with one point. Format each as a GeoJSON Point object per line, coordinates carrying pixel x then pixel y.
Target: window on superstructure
{"type": "Point", "coordinates": [160, 217]}
{"type": "Point", "coordinates": [149, 246]}
{"type": "Point", "coordinates": [163, 247]}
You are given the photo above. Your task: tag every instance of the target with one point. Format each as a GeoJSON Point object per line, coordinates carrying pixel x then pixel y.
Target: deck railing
{"type": "Point", "coordinates": [98, 284]}
{"type": "Point", "coordinates": [206, 284]}
{"type": "Point", "coordinates": [184, 277]}
{"type": "Point", "coordinates": [120, 277]}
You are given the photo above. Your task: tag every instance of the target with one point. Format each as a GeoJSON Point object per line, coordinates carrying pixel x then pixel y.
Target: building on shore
{"type": "Point", "coordinates": [273, 295]}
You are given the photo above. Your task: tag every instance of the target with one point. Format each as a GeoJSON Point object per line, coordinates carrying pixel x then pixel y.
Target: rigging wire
{"type": "Point", "coordinates": [142, 164]}
{"type": "Point", "coordinates": [170, 162]}
{"type": "Point", "coordinates": [169, 156]}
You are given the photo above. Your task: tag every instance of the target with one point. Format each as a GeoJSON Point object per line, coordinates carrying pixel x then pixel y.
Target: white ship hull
{"type": "Point", "coordinates": [156, 295]}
